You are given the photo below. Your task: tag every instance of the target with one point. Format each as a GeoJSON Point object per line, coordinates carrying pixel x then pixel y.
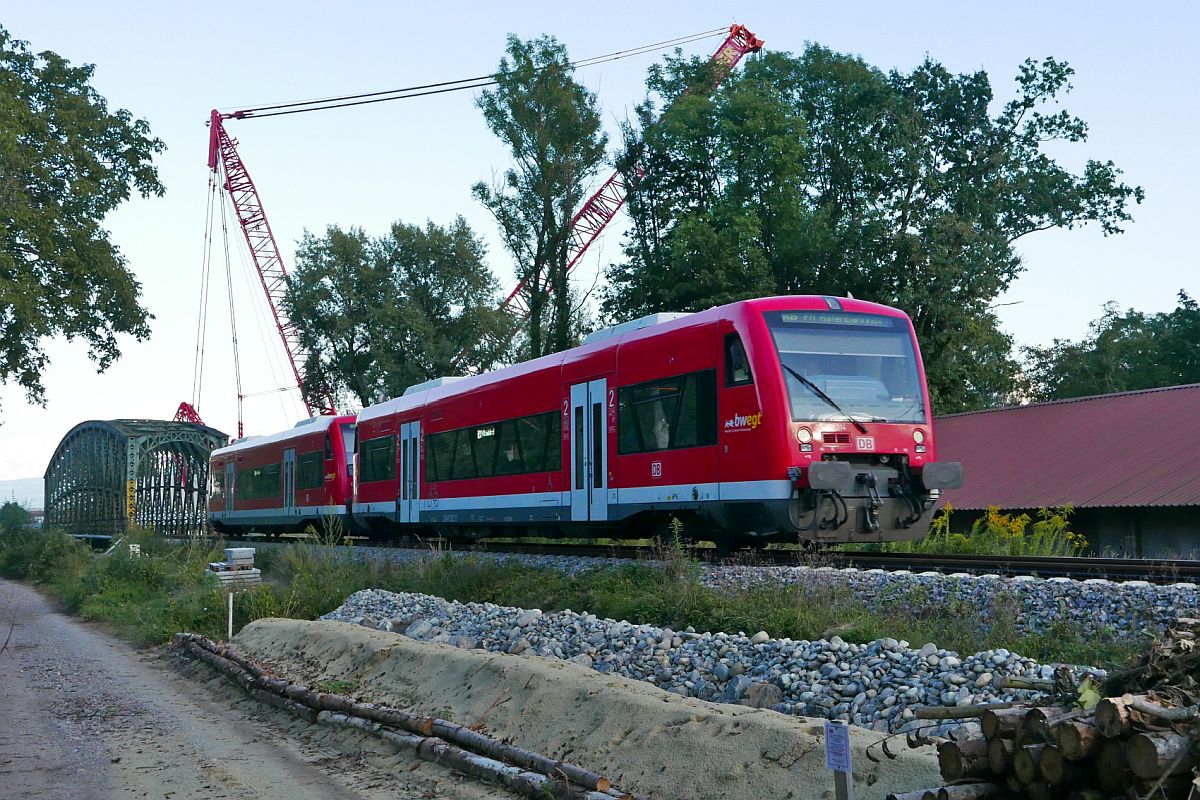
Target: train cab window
{"type": "Point", "coordinates": [310, 471]}
{"type": "Point", "coordinates": [668, 414]}
{"type": "Point", "coordinates": [737, 365]}
{"type": "Point", "coordinates": [216, 480]}
{"type": "Point", "coordinates": [377, 459]}
{"type": "Point", "coordinates": [348, 436]}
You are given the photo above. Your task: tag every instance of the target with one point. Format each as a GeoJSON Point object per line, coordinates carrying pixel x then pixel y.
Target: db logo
{"type": "Point", "coordinates": [655, 469]}
{"type": "Point", "coordinates": [864, 442]}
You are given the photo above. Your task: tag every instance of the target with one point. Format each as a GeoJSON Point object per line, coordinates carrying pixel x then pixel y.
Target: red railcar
{"type": "Point", "coordinates": [779, 418]}
{"type": "Point", "coordinates": [285, 481]}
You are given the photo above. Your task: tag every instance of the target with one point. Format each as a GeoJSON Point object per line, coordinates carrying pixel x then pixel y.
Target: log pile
{"type": "Point", "coordinates": [1141, 742]}
{"type": "Point", "coordinates": [461, 748]}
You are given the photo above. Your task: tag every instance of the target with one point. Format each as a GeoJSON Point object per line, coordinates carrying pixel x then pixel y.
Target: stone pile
{"type": "Point", "coordinates": [875, 685]}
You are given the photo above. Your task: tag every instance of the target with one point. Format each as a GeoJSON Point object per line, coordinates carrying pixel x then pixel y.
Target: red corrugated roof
{"type": "Point", "coordinates": [1128, 449]}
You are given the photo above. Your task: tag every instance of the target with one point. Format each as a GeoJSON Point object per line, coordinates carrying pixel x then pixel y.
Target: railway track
{"type": "Point", "coordinates": [1079, 568]}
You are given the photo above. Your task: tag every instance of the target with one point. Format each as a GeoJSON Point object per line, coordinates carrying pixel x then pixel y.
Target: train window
{"type": "Point", "coordinates": [463, 464]}
{"type": "Point", "coordinates": [217, 480]}
{"type": "Point", "coordinates": [668, 414]}
{"type": "Point", "coordinates": [377, 459]}
{"type": "Point", "coordinates": [439, 449]}
{"type": "Point", "coordinates": [257, 483]}
{"type": "Point", "coordinates": [310, 471]}
{"type": "Point", "coordinates": [509, 447]}
{"type": "Point", "coordinates": [737, 365]}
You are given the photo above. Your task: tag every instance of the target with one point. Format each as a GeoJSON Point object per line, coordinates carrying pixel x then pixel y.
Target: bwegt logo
{"type": "Point", "coordinates": [743, 422]}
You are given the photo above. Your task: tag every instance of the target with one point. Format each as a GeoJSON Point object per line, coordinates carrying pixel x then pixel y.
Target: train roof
{"type": "Point", "coordinates": [302, 428]}
{"type": "Point", "coordinates": [604, 339]}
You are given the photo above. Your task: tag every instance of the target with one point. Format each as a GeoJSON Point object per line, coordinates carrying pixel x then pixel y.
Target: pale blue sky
{"type": "Point", "coordinates": [415, 160]}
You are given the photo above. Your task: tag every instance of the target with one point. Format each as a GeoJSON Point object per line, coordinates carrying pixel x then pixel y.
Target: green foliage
{"type": "Point", "coordinates": [13, 516]}
{"type": "Point", "coordinates": [381, 314]}
{"type": "Point", "coordinates": [998, 534]}
{"type": "Point", "coordinates": [551, 126]}
{"type": "Point", "coordinates": [818, 173]}
{"type": "Point", "coordinates": [65, 162]}
{"type": "Point", "coordinates": [148, 598]}
{"type": "Point", "coordinates": [1123, 352]}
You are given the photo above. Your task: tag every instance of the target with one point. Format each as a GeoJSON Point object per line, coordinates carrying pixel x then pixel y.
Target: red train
{"type": "Point", "coordinates": [783, 418]}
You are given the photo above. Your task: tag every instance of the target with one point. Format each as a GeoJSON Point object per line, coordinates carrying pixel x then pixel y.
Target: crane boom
{"type": "Point", "coordinates": [599, 209]}
{"type": "Point", "coordinates": [264, 252]}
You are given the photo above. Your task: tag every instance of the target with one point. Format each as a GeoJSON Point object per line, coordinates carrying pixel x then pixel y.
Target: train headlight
{"type": "Point", "coordinates": [919, 436]}
{"type": "Point", "coordinates": [803, 435]}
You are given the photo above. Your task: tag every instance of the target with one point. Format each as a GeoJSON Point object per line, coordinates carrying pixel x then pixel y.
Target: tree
{"type": "Point", "coordinates": [14, 516]}
{"type": "Point", "coordinates": [380, 314]}
{"type": "Point", "coordinates": [65, 162]}
{"type": "Point", "coordinates": [551, 126]}
{"type": "Point", "coordinates": [1122, 353]}
{"type": "Point", "coordinates": [819, 174]}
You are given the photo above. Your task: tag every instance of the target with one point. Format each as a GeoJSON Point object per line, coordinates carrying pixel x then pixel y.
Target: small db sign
{"type": "Point", "coordinates": [864, 442]}
{"type": "Point", "coordinates": [655, 469]}
{"type": "Point", "coordinates": [837, 746]}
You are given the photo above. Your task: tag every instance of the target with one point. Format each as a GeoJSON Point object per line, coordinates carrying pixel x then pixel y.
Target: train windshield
{"type": "Point", "coordinates": [864, 363]}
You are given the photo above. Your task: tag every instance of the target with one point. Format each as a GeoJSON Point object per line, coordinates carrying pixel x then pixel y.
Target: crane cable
{"type": "Point", "coordinates": [463, 84]}
{"type": "Point", "coordinates": [202, 316]}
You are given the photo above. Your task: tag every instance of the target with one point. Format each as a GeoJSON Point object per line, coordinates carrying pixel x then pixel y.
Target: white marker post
{"type": "Point", "coordinates": [230, 617]}
{"type": "Point", "coordinates": [837, 758]}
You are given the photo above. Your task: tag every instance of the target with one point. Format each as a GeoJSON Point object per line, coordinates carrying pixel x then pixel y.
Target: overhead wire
{"type": "Point", "coordinates": [442, 87]}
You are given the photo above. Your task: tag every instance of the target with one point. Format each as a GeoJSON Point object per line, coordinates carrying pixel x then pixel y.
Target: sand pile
{"type": "Point", "coordinates": [643, 738]}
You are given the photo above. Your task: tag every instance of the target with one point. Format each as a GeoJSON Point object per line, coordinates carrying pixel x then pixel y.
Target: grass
{"type": "Point", "coordinates": [1047, 533]}
{"type": "Point", "coordinates": [148, 598]}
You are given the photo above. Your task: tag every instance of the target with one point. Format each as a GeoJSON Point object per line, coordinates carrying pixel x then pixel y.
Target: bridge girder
{"type": "Point", "coordinates": [106, 476]}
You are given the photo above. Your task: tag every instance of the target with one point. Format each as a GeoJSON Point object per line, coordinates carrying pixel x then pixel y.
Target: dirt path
{"type": "Point", "coordinates": [85, 716]}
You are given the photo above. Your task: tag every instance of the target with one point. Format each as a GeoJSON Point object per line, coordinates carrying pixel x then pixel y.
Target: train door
{"type": "Point", "coordinates": [229, 485]}
{"type": "Point", "coordinates": [289, 480]}
{"type": "Point", "coordinates": [589, 451]}
{"type": "Point", "coordinates": [410, 472]}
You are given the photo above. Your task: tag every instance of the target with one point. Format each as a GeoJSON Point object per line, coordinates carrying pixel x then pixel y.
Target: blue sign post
{"type": "Point", "coordinates": [837, 758]}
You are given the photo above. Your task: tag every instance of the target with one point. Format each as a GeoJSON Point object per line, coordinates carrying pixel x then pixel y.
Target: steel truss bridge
{"type": "Point", "coordinates": [108, 476]}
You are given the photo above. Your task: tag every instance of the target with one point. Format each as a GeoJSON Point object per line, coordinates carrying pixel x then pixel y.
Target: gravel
{"type": "Point", "coordinates": [875, 685]}
{"type": "Point", "coordinates": [1093, 607]}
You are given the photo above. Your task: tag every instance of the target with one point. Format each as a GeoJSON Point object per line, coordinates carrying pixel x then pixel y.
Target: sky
{"type": "Point", "coordinates": [415, 160]}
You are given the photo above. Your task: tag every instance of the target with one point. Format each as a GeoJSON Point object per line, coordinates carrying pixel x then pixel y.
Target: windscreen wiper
{"type": "Point", "coordinates": [817, 391]}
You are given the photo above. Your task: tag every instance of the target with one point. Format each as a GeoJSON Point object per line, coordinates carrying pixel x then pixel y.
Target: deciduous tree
{"type": "Point", "coordinates": [552, 128]}
{"type": "Point", "coordinates": [1123, 352]}
{"type": "Point", "coordinates": [66, 160]}
{"type": "Point", "coordinates": [380, 314]}
{"type": "Point", "coordinates": [821, 174]}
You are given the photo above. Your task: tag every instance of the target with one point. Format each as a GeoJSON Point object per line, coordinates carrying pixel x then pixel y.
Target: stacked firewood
{"type": "Point", "coordinates": [1141, 742]}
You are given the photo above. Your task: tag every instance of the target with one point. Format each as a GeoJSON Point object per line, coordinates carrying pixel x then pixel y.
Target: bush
{"type": "Point", "coordinates": [1001, 534]}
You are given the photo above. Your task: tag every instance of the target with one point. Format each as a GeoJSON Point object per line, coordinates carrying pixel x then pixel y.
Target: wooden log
{"type": "Point", "coordinates": [1015, 787]}
{"type": "Point", "coordinates": [999, 755]}
{"type": "Point", "coordinates": [959, 712]}
{"type": "Point", "coordinates": [1171, 715]}
{"type": "Point", "coordinates": [307, 704]}
{"type": "Point", "coordinates": [1035, 727]}
{"type": "Point", "coordinates": [1086, 794]}
{"type": "Point", "coordinates": [427, 748]}
{"type": "Point", "coordinates": [959, 760]}
{"type": "Point", "coordinates": [1058, 771]}
{"type": "Point", "coordinates": [1033, 684]}
{"type": "Point", "coordinates": [1113, 775]}
{"type": "Point", "coordinates": [1116, 717]}
{"type": "Point", "coordinates": [919, 794]}
{"type": "Point", "coordinates": [1003, 722]}
{"type": "Point", "coordinates": [479, 743]}
{"type": "Point", "coordinates": [1025, 762]}
{"type": "Point", "coordinates": [1166, 786]}
{"type": "Point", "coordinates": [1154, 754]}
{"type": "Point", "coordinates": [969, 791]}
{"type": "Point", "coordinates": [1039, 790]}
{"type": "Point", "coordinates": [1076, 738]}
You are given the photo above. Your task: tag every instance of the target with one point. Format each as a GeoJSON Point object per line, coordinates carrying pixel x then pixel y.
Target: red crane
{"type": "Point", "coordinates": [602, 206]}
{"type": "Point", "coordinates": [264, 252]}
